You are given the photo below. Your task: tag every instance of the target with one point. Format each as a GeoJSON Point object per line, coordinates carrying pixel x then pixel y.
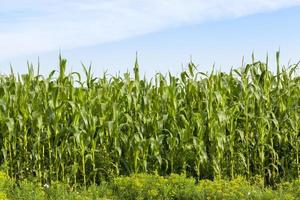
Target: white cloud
{"type": "Point", "coordinates": [30, 26]}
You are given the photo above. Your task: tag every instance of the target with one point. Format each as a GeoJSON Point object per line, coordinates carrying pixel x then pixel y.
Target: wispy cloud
{"type": "Point", "coordinates": [30, 26]}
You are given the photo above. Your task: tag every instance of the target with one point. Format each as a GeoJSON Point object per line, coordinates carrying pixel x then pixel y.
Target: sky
{"type": "Point", "coordinates": [165, 34]}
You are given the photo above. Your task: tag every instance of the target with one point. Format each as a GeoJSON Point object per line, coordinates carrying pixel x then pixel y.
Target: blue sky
{"type": "Point", "coordinates": [166, 34]}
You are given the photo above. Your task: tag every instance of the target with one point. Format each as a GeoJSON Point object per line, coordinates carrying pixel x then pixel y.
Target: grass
{"type": "Point", "coordinates": [146, 186]}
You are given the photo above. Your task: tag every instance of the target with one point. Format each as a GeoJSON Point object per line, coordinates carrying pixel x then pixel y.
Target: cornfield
{"type": "Point", "coordinates": [81, 130]}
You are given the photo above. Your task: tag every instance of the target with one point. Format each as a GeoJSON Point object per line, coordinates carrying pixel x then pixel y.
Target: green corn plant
{"type": "Point", "coordinates": [80, 129]}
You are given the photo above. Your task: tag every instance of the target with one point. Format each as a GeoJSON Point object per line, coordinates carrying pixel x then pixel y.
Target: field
{"type": "Point", "coordinates": [84, 131]}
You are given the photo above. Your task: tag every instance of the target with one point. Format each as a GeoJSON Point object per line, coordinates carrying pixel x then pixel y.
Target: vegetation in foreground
{"type": "Point", "coordinates": [87, 130]}
{"type": "Point", "coordinates": [151, 187]}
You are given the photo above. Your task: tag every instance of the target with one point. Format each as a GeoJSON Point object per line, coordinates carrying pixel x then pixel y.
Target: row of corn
{"type": "Point", "coordinates": [77, 128]}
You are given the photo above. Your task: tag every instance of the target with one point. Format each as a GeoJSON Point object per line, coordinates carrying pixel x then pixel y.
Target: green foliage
{"type": "Point", "coordinates": [3, 196]}
{"type": "Point", "coordinates": [86, 130]}
{"type": "Point", "coordinates": [26, 190]}
{"type": "Point", "coordinates": [5, 185]}
{"type": "Point", "coordinates": [145, 186]}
